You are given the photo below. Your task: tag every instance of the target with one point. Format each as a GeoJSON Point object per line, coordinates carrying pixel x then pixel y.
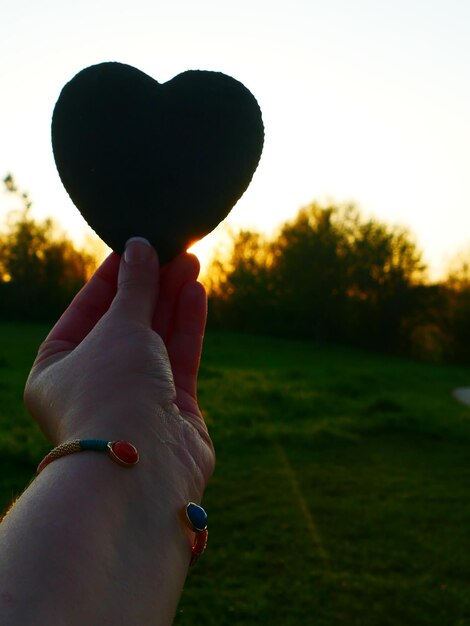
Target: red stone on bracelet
{"type": "Point", "coordinates": [123, 452]}
{"type": "Point", "coordinates": [200, 543]}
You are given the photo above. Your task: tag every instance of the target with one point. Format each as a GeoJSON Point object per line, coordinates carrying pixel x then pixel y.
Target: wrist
{"type": "Point", "coordinates": [116, 421]}
{"type": "Point", "coordinates": [97, 522]}
{"type": "Point", "coordinates": [167, 443]}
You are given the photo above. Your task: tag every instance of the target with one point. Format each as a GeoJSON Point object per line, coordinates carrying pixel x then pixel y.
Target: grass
{"type": "Point", "coordinates": [21, 443]}
{"type": "Point", "coordinates": [341, 494]}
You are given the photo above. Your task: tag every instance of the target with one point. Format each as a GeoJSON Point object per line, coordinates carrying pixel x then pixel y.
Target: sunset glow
{"type": "Point", "coordinates": [365, 101]}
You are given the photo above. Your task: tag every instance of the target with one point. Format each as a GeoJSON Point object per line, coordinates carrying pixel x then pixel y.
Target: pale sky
{"type": "Point", "coordinates": [365, 100]}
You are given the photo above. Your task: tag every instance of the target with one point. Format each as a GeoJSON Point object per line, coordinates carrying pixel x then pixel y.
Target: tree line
{"type": "Point", "coordinates": [332, 276]}
{"type": "Point", "coordinates": [329, 275]}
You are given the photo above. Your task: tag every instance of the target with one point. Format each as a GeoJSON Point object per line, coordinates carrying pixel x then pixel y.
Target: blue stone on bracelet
{"type": "Point", "coordinates": [196, 516]}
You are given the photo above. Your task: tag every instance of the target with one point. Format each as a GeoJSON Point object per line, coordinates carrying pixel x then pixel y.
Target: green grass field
{"type": "Point", "coordinates": [341, 494]}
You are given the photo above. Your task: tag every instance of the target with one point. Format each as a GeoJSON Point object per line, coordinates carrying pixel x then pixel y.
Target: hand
{"type": "Point", "coordinates": [122, 361]}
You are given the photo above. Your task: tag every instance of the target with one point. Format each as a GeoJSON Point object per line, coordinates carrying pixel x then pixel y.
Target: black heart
{"type": "Point", "coordinates": [162, 161]}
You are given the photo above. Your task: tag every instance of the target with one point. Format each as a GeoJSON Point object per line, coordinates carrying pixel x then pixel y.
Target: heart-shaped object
{"type": "Point", "coordinates": [161, 161]}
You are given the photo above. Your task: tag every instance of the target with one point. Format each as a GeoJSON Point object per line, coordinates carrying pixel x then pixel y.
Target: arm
{"type": "Point", "coordinates": [90, 542]}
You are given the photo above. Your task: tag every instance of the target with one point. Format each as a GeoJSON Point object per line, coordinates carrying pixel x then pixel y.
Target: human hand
{"type": "Point", "coordinates": [122, 361]}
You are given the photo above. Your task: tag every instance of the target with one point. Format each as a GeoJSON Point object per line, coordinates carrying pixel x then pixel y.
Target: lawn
{"type": "Point", "coordinates": [341, 494]}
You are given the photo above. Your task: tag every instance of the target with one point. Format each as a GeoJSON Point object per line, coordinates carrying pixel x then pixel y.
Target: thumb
{"type": "Point", "coordinates": [138, 281]}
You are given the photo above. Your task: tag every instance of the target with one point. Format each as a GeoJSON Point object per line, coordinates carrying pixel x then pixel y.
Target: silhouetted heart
{"type": "Point", "coordinates": [162, 161]}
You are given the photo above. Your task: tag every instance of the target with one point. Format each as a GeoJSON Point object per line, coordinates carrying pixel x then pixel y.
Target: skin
{"type": "Point", "coordinates": [91, 542]}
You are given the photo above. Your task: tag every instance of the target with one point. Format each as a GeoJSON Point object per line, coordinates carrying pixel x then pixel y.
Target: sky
{"type": "Point", "coordinates": [365, 101]}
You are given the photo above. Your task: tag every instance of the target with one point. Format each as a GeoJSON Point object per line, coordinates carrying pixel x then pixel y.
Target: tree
{"type": "Point", "coordinates": [343, 278]}
{"type": "Point", "coordinates": [309, 270]}
{"type": "Point", "coordinates": [384, 268]}
{"type": "Point", "coordinates": [40, 269]}
{"type": "Point", "coordinates": [456, 291]}
{"type": "Point", "coordinates": [238, 284]}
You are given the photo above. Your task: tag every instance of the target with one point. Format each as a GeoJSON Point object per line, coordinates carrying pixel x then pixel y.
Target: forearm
{"type": "Point", "coordinates": [91, 542]}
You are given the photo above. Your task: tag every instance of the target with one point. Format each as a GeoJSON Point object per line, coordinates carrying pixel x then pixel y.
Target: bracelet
{"type": "Point", "coordinates": [121, 452]}
{"type": "Point", "coordinates": [126, 454]}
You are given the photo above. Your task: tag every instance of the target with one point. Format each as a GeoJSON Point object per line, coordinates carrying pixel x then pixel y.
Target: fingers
{"type": "Point", "coordinates": [138, 282]}
{"type": "Point", "coordinates": [181, 270]}
{"type": "Point", "coordinates": [185, 344]}
{"type": "Point", "coordinates": [95, 298]}
{"type": "Point", "coordinates": [89, 305]}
